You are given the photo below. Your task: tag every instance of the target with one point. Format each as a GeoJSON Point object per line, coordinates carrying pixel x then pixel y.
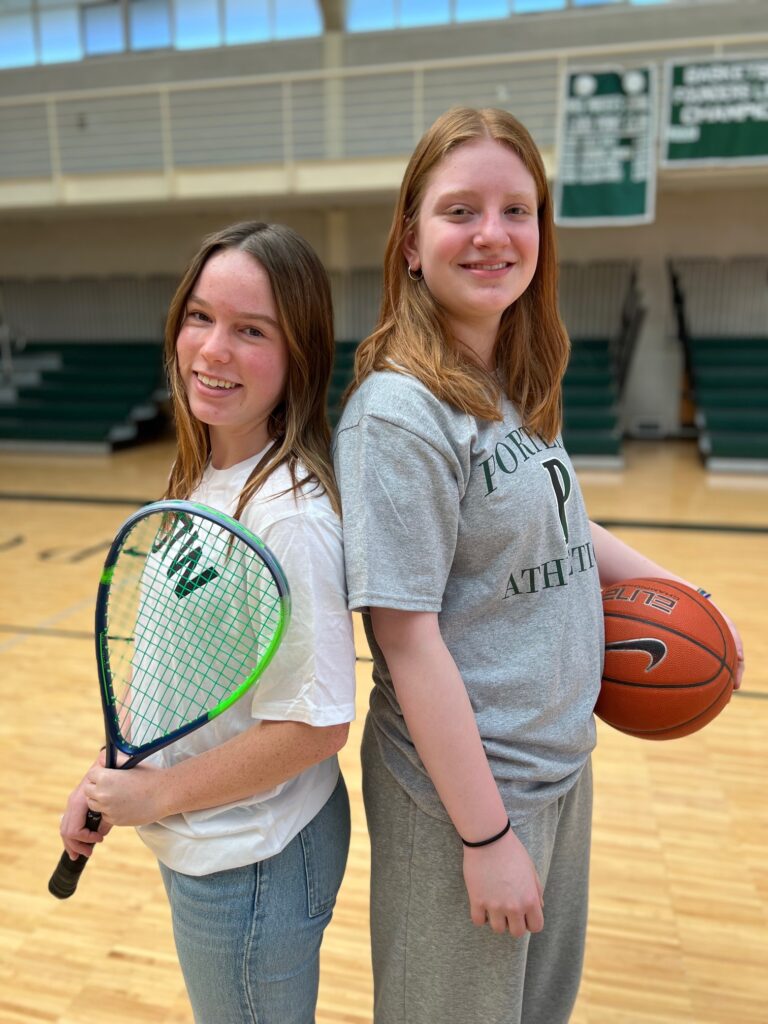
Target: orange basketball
{"type": "Point", "coordinates": [670, 659]}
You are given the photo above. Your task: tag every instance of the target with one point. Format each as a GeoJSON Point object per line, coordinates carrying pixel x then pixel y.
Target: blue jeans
{"type": "Point", "coordinates": [248, 939]}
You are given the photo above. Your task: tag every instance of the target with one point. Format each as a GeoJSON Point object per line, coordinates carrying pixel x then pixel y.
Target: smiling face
{"type": "Point", "coordinates": [232, 355]}
{"type": "Point", "coordinates": [476, 238]}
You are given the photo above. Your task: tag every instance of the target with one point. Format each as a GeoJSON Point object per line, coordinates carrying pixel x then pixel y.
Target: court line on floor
{"type": "Point", "coordinates": [644, 524]}
{"type": "Point", "coordinates": [627, 524]}
{"type": "Point", "coordinates": [23, 632]}
{"type": "Point", "coordinates": [74, 499]}
{"type": "Point", "coordinates": [20, 633]}
{"type": "Point", "coordinates": [63, 634]}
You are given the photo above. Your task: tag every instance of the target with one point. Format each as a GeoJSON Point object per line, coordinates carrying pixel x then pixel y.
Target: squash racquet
{"type": "Point", "coordinates": [190, 610]}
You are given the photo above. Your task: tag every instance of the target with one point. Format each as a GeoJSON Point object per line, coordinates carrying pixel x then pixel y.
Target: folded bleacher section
{"type": "Point", "coordinates": [99, 395]}
{"type": "Point", "coordinates": [721, 308]}
{"type": "Point", "coordinates": [602, 310]}
{"type": "Point", "coordinates": [90, 396]}
{"type": "Point", "coordinates": [601, 307]}
{"type": "Point", "coordinates": [343, 365]}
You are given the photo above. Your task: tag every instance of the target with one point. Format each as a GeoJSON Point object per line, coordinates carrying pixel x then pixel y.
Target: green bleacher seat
{"type": "Point", "coordinates": [590, 397]}
{"type": "Point", "coordinates": [341, 377]}
{"type": "Point", "coordinates": [592, 442]}
{"type": "Point", "coordinates": [730, 390]}
{"type": "Point", "coordinates": [96, 393]}
{"type": "Point", "coordinates": [737, 445]}
{"type": "Point", "coordinates": [590, 401]}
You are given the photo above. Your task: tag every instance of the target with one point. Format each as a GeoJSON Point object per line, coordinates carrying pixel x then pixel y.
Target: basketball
{"type": "Point", "coordinates": [670, 659]}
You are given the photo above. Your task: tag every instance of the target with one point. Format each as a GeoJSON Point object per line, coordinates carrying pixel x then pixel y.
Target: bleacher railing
{"type": "Point", "coordinates": [281, 120]}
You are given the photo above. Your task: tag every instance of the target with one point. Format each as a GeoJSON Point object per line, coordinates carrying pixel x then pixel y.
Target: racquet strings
{"type": "Point", "coordinates": [191, 612]}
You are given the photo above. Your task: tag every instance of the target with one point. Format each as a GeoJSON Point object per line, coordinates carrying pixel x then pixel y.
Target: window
{"type": "Point", "coordinates": [527, 6]}
{"type": "Point", "coordinates": [197, 24]}
{"type": "Point", "coordinates": [60, 35]}
{"type": "Point", "coordinates": [481, 10]}
{"type": "Point", "coordinates": [48, 31]}
{"type": "Point", "coordinates": [295, 18]}
{"type": "Point", "coordinates": [246, 21]}
{"type": "Point", "coordinates": [424, 12]}
{"type": "Point", "coordinates": [103, 30]}
{"type": "Point", "coordinates": [150, 24]}
{"type": "Point", "coordinates": [363, 16]}
{"type": "Point", "coordinates": [17, 41]}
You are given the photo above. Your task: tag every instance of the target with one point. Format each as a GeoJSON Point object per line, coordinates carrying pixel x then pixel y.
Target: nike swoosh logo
{"type": "Point", "coordinates": [655, 649]}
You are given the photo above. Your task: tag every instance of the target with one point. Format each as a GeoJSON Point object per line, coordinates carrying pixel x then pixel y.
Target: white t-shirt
{"type": "Point", "coordinates": [311, 679]}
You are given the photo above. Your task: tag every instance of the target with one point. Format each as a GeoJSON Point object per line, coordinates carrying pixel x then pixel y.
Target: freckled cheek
{"type": "Point", "coordinates": [184, 353]}
{"type": "Point", "coordinates": [269, 370]}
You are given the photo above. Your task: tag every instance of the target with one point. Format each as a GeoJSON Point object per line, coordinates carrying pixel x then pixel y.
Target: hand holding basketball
{"type": "Point", "coordinates": [672, 659]}
{"type": "Point", "coordinates": [739, 649]}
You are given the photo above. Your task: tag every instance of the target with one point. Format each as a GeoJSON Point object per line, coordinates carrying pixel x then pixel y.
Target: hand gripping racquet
{"type": "Point", "coordinates": [190, 609]}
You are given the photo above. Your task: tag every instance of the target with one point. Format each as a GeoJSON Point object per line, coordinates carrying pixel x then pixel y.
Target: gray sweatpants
{"type": "Point", "coordinates": [431, 965]}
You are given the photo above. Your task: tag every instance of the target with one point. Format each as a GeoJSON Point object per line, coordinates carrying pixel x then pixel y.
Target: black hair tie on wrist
{"type": "Point", "coordinates": [487, 842]}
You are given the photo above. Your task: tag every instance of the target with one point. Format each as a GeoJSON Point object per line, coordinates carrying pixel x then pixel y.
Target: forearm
{"type": "Point", "coordinates": [503, 887]}
{"type": "Point", "coordinates": [618, 561]}
{"type": "Point", "coordinates": [440, 720]}
{"type": "Point", "coordinates": [263, 756]}
{"type": "Point", "coordinates": [255, 761]}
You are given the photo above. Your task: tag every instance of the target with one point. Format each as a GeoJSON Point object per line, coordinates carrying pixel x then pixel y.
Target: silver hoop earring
{"type": "Point", "coordinates": [415, 275]}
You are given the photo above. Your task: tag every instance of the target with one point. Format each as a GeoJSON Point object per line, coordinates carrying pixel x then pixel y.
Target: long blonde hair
{"type": "Point", "coordinates": [413, 331]}
{"type": "Point", "coordinates": [298, 425]}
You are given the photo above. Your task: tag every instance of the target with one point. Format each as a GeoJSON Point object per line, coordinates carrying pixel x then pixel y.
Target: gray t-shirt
{"type": "Point", "coordinates": [483, 523]}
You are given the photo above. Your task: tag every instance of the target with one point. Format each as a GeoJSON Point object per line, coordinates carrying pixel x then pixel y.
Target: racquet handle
{"type": "Point", "coordinates": [64, 879]}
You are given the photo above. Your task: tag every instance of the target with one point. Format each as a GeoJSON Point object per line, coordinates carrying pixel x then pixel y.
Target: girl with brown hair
{"type": "Point", "coordinates": [249, 816]}
{"type": "Point", "coordinates": [470, 552]}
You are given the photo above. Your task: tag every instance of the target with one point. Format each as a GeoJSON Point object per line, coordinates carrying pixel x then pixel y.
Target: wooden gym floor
{"type": "Point", "coordinates": [679, 905]}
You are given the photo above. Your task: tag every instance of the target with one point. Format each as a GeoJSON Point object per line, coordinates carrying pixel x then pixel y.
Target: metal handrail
{"type": "Point", "coordinates": [296, 107]}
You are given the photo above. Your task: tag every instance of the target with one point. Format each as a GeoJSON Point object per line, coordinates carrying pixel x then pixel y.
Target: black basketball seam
{"type": "Point", "coordinates": [633, 618]}
{"type": "Point", "coordinates": [661, 686]}
{"type": "Point", "coordinates": [700, 604]}
{"type": "Point", "coordinates": [669, 629]}
{"type": "Point", "coordinates": [640, 733]}
{"type": "Point", "coordinates": [685, 591]}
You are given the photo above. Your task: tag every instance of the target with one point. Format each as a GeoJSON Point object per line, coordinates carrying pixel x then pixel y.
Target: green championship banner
{"type": "Point", "coordinates": [606, 149]}
{"type": "Point", "coordinates": [716, 112]}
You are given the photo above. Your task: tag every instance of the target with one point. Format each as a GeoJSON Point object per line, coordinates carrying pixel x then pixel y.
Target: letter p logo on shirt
{"type": "Point", "coordinates": [560, 479]}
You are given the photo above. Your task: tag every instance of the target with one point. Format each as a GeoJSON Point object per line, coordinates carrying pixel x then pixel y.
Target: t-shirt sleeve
{"type": "Point", "coordinates": [400, 500]}
{"type": "Point", "coordinates": [311, 678]}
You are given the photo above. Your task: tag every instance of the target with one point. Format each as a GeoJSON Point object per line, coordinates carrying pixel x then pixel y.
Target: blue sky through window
{"type": "Point", "coordinates": [481, 10]}
{"type": "Point", "coordinates": [150, 22]}
{"type": "Point", "coordinates": [424, 12]}
{"type": "Point", "coordinates": [60, 35]}
{"type": "Point", "coordinates": [246, 21]}
{"type": "Point", "coordinates": [103, 29]}
{"type": "Point", "coordinates": [197, 24]}
{"type": "Point", "coordinates": [66, 28]}
{"type": "Point", "coordinates": [534, 6]}
{"type": "Point", "coordinates": [17, 41]}
{"type": "Point", "coordinates": [363, 16]}
{"type": "Point", "coordinates": [296, 18]}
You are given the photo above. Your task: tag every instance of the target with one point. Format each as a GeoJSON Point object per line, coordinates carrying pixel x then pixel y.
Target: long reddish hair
{"type": "Point", "coordinates": [413, 331]}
